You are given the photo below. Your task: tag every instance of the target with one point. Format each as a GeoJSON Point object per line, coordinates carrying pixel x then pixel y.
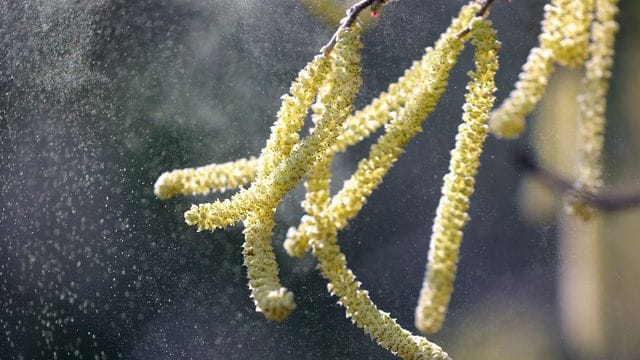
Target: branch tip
{"type": "Point", "coordinates": [352, 15]}
{"type": "Point", "coordinates": [486, 4]}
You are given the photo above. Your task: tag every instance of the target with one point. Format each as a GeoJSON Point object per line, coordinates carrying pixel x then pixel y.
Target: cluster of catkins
{"type": "Point", "coordinates": [326, 87]}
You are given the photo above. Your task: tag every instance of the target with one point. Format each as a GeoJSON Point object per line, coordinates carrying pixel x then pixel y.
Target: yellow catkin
{"type": "Point", "coordinates": [293, 111]}
{"type": "Point", "coordinates": [284, 135]}
{"type": "Point", "coordinates": [357, 126]}
{"type": "Point", "coordinates": [383, 108]}
{"type": "Point", "coordinates": [316, 201]}
{"type": "Point", "coordinates": [317, 183]}
{"type": "Point", "coordinates": [270, 298]}
{"type": "Point", "coordinates": [564, 40]}
{"type": "Point", "coordinates": [205, 179]}
{"type": "Point", "coordinates": [569, 36]}
{"type": "Point", "coordinates": [451, 215]}
{"type": "Point", "coordinates": [332, 262]}
{"type": "Point", "coordinates": [269, 191]}
{"type": "Point", "coordinates": [418, 101]}
{"type": "Point", "coordinates": [592, 103]}
{"type": "Point", "coordinates": [379, 325]}
{"type": "Point", "coordinates": [318, 179]}
{"type": "Point", "coordinates": [256, 205]}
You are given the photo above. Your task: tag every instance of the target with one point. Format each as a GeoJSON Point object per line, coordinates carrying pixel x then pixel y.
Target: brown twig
{"type": "Point", "coordinates": [481, 13]}
{"type": "Point", "coordinates": [347, 21]}
{"type": "Point", "coordinates": [606, 200]}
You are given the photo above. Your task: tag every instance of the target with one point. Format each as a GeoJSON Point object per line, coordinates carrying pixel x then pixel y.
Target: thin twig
{"type": "Point", "coordinates": [481, 13]}
{"type": "Point", "coordinates": [347, 21]}
{"type": "Point", "coordinates": [606, 200]}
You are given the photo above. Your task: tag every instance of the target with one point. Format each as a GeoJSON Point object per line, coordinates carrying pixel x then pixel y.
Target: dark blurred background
{"type": "Point", "coordinates": [98, 98]}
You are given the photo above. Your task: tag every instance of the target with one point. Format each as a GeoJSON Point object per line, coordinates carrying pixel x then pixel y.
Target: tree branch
{"type": "Point", "coordinates": [347, 21]}
{"type": "Point", "coordinates": [606, 200]}
{"type": "Point", "coordinates": [481, 13]}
